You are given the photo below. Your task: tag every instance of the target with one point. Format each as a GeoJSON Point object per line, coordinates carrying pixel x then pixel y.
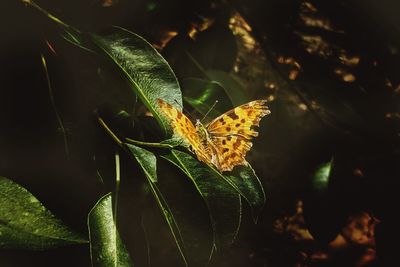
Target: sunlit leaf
{"type": "Point", "coordinates": [26, 224]}
{"type": "Point", "coordinates": [106, 247]}
{"type": "Point", "coordinates": [202, 94]}
{"type": "Point", "coordinates": [222, 200]}
{"type": "Point", "coordinates": [148, 74]}
{"type": "Point", "coordinates": [233, 89]}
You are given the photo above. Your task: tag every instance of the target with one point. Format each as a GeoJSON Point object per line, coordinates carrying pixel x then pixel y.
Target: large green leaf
{"type": "Point", "coordinates": [148, 73]}
{"type": "Point", "coordinates": [202, 95]}
{"type": "Point", "coordinates": [222, 200]}
{"type": "Point", "coordinates": [26, 224]}
{"type": "Point", "coordinates": [106, 247]}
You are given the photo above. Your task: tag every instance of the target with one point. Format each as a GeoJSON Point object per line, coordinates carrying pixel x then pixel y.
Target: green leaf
{"type": "Point", "coordinates": [202, 94]}
{"type": "Point", "coordinates": [106, 247]}
{"type": "Point", "coordinates": [321, 176]}
{"type": "Point", "coordinates": [148, 74]}
{"type": "Point", "coordinates": [244, 180]}
{"type": "Point", "coordinates": [148, 165]}
{"type": "Point", "coordinates": [26, 224]}
{"type": "Point", "coordinates": [147, 161]}
{"type": "Point", "coordinates": [233, 89]}
{"type": "Point", "coordinates": [222, 200]}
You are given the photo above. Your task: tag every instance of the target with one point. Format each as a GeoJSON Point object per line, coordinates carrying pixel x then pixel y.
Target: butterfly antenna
{"type": "Point", "coordinates": [216, 101]}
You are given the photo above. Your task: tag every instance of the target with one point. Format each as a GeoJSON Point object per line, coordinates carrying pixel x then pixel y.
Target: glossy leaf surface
{"type": "Point", "coordinates": [147, 72]}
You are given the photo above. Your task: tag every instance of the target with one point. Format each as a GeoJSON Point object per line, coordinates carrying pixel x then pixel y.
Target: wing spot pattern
{"type": "Point", "coordinates": [232, 114]}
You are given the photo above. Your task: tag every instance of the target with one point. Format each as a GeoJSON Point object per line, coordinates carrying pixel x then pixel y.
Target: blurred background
{"type": "Point", "coordinates": [330, 70]}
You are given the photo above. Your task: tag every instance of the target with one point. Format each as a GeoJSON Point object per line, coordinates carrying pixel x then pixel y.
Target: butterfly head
{"type": "Point", "coordinates": [201, 130]}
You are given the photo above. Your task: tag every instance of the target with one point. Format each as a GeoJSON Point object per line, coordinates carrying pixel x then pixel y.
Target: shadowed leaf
{"type": "Point", "coordinates": [222, 200]}
{"type": "Point", "coordinates": [202, 94]}
{"type": "Point", "coordinates": [233, 89]}
{"type": "Point", "coordinates": [147, 162]}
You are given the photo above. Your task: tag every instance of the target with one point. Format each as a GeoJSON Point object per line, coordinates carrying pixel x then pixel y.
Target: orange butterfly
{"type": "Point", "coordinates": [223, 142]}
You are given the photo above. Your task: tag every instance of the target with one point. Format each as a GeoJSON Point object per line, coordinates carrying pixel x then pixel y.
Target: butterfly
{"type": "Point", "coordinates": [224, 141]}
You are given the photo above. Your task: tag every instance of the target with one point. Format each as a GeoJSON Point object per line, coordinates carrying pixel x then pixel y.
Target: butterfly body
{"type": "Point", "coordinates": [223, 142]}
{"type": "Point", "coordinates": [202, 131]}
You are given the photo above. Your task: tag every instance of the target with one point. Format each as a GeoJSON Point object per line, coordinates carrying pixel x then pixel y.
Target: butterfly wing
{"type": "Point", "coordinates": [231, 133]}
{"type": "Point", "coordinates": [186, 131]}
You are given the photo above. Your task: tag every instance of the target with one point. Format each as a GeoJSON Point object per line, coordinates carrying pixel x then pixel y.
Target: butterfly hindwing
{"type": "Point", "coordinates": [185, 130]}
{"type": "Point", "coordinates": [232, 151]}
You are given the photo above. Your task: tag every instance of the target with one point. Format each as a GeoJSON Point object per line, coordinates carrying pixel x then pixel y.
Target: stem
{"type": "Point", "coordinates": [53, 104]}
{"type": "Point", "coordinates": [117, 183]}
{"type": "Point", "coordinates": [159, 145]}
{"type": "Point", "coordinates": [109, 132]}
{"type": "Point", "coordinates": [135, 142]}
{"type": "Point", "coordinates": [45, 12]}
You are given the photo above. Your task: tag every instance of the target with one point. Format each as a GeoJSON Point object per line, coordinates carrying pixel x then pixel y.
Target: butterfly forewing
{"type": "Point", "coordinates": [232, 131]}
{"type": "Point", "coordinates": [239, 121]}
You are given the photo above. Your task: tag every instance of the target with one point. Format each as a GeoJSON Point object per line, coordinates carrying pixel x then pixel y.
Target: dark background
{"type": "Point", "coordinates": [356, 123]}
